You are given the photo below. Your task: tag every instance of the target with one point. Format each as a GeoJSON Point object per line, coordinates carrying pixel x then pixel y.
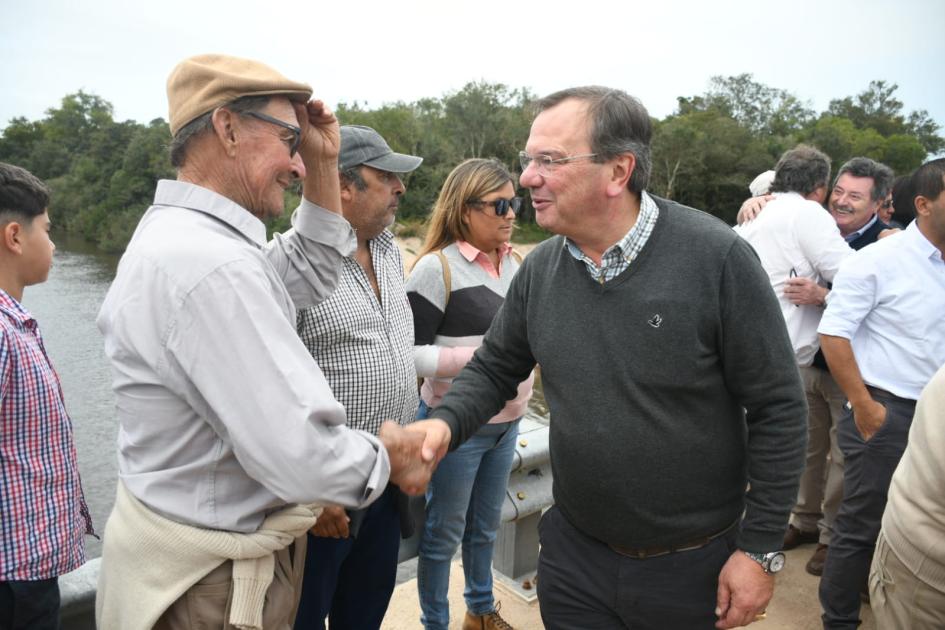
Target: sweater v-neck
{"type": "Point", "coordinates": [626, 274]}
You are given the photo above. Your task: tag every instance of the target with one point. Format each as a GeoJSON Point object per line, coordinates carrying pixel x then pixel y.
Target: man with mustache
{"type": "Point", "coordinates": [857, 197]}
{"type": "Point", "coordinates": [362, 339]}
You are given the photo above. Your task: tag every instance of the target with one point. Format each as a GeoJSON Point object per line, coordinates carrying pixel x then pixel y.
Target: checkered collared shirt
{"type": "Point", "coordinates": [43, 515]}
{"type": "Point", "coordinates": [365, 346]}
{"type": "Point", "coordinates": [619, 256]}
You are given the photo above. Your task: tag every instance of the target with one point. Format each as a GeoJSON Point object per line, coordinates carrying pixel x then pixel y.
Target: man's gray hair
{"type": "Point", "coordinates": [802, 170]}
{"type": "Point", "coordinates": [353, 176]}
{"type": "Point", "coordinates": [204, 123]}
{"type": "Point", "coordinates": [619, 124]}
{"type": "Point", "coordinates": [881, 175]}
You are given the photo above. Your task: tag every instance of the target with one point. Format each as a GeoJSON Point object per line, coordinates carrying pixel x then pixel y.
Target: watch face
{"type": "Point", "coordinates": [776, 563]}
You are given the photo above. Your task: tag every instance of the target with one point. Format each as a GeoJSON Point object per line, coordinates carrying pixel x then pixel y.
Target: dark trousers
{"type": "Point", "coordinates": [867, 471]}
{"type": "Point", "coordinates": [29, 605]}
{"type": "Point", "coordinates": [583, 583]}
{"type": "Point", "coordinates": [350, 580]}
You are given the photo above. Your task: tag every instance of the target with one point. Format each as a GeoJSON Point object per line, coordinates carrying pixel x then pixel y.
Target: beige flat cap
{"type": "Point", "coordinates": [201, 84]}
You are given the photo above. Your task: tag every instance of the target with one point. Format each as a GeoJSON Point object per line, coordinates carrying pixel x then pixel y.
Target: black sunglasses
{"type": "Point", "coordinates": [296, 131]}
{"type": "Point", "coordinates": [501, 206]}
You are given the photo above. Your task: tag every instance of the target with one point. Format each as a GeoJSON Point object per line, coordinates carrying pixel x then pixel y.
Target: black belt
{"type": "Point", "coordinates": [641, 553]}
{"type": "Point", "coordinates": [883, 393]}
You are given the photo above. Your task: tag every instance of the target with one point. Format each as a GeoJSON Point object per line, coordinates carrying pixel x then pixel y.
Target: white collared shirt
{"type": "Point", "coordinates": [795, 237]}
{"type": "Point", "coordinates": [888, 299]}
{"type": "Point", "coordinates": [223, 415]}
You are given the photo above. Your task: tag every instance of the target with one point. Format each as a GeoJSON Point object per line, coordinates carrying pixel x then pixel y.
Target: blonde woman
{"type": "Point", "coordinates": [455, 289]}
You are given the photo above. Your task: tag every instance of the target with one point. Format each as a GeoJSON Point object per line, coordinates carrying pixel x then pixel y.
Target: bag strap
{"type": "Point", "coordinates": [446, 276]}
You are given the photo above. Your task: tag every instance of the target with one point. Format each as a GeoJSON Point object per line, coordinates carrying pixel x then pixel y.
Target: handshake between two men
{"type": "Point", "coordinates": [414, 451]}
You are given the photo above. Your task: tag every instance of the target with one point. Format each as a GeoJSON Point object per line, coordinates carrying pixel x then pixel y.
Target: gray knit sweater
{"type": "Point", "coordinates": [672, 387]}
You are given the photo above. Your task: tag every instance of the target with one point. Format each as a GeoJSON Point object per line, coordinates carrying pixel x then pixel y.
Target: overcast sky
{"type": "Point", "coordinates": [376, 52]}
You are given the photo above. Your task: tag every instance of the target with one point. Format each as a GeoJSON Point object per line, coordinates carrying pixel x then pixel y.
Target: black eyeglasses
{"type": "Point", "coordinates": [501, 206]}
{"type": "Point", "coordinates": [296, 131]}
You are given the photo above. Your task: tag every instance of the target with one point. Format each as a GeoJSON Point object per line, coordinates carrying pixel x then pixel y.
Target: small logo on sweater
{"type": "Point", "coordinates": [655, 321]}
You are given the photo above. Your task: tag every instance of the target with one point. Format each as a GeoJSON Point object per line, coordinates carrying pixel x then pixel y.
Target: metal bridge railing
{"type": "Point", "coordinates": [516, 551]}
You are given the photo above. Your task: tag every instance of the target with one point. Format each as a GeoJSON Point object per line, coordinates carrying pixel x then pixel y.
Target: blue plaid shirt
{"type": "Point", "coordinates": [619, 256]}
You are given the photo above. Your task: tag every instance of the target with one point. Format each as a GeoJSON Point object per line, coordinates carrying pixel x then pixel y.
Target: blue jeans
{"type": "Point", "coordinates": [464, 504]}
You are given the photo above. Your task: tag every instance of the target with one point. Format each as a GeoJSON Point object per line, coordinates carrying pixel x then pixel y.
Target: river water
{"type": "Point", "coordinates": [66, 306]}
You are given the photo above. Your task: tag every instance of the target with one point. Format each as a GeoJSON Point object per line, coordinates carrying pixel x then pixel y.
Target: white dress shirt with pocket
{"type": "Point", "coordinates": [889, 300]}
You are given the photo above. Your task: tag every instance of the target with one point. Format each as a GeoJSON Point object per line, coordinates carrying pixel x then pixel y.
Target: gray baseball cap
{"type": "Point", "coordinates": [362, 145]}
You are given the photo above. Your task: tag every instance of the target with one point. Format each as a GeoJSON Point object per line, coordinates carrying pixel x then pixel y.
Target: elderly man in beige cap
{"type": "Point", "coordinates": [229, 434]}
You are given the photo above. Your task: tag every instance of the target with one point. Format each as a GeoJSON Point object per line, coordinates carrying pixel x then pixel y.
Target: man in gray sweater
{"type": "Point", "coordinates": [670, 379]}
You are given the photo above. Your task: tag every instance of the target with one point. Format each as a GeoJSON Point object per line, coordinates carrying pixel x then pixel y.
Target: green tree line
{"type": "Point", "coordinates": [103, 172]}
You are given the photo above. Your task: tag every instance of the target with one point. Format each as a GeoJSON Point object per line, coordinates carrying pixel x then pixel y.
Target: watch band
{"type": "Point", "coordinates": [771, 562]}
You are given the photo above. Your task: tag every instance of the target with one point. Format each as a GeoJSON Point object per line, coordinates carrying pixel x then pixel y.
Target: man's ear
{"type": "Point", "coordinates": [347, 189]}
{"type": "Point", "coordinates": [620, 172]}
{"type": "Point", "coordinates": [819, 194]}
{"type": "Point", "coordinates": [224, 126]}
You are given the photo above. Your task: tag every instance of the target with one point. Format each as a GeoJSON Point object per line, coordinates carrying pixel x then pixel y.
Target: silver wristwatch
{"type": "Point", "coordinates": [771, 562]}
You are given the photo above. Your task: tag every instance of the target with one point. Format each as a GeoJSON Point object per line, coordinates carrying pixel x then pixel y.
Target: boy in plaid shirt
{"type": "Point", "coordinates": [43, 516]}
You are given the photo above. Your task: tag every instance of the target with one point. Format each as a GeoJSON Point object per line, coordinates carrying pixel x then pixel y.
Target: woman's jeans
{"type": "Point", "coordinates": [464, 503]}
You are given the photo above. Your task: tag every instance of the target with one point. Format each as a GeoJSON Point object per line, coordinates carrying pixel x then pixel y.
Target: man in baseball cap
{"type": "Point", "coordinates": [227, 427]}
{"type": "Point", "coordinates": [362, 339]}
{"type": "Point", "coordinates": [362, 145]}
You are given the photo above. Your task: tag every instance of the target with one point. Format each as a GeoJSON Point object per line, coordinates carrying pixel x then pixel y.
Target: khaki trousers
{"type": "Point", "coordinates": [821, 489]}
{"type": "Point", "coordinates": [206, 605]}
{"type": "Point", "coordinates": [899, 599]}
